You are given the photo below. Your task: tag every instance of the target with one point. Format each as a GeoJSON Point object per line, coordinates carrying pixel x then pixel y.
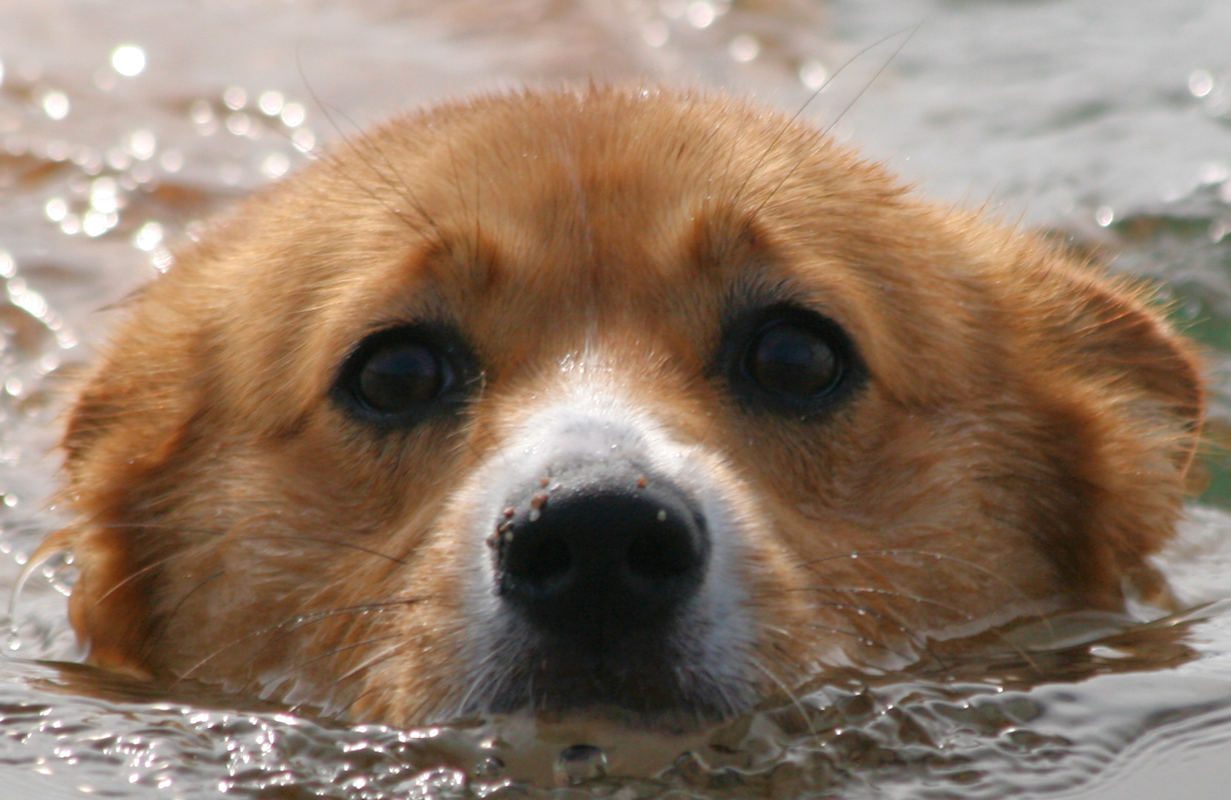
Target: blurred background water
{"type": "Point", "coordinates": [123, 125]}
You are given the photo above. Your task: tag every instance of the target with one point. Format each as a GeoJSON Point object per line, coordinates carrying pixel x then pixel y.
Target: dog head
{"type": "Point", "coordinates": [608, 399]}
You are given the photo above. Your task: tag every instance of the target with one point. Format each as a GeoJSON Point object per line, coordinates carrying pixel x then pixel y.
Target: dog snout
{"type": "Point", "coordinates": [599, 551]}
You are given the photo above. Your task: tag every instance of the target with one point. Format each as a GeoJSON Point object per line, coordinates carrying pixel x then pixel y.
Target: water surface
{"type": "Point", "coordinates": [123, 126]}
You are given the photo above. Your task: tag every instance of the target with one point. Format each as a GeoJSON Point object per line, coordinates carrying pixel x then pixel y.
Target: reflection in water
{"type": "Point", "coordinates": [123, 127]}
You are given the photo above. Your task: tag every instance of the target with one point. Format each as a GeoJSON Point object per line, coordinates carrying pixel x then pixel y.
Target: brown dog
{"type": "Point", "coordinates": [608, 400]}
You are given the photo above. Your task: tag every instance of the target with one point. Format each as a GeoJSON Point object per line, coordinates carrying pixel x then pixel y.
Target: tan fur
{"type": "Point", "coordinates": [1020, 444]}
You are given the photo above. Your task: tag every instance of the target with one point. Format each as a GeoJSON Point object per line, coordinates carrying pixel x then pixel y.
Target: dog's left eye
{"type": "Point", "coordinates": [789, 360]}
{"type": "Point", "coordinates": [399, 376]}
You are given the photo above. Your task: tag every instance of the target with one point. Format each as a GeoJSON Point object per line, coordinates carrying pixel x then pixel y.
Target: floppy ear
{"type": "Point", "coordinates": [1119, 333]}
{"type": "Point", "coordinates": [129, 421]}
{"type": "Point", "coordinates": [1131, 402]}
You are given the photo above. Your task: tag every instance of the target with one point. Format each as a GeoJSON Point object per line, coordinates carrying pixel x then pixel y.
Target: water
{"type": "Point", "coordinates": [122, 126]}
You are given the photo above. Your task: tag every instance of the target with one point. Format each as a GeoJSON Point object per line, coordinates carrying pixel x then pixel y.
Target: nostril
{"type": "Point", "coordinates": [661, 555]}
{"type": "Point", "coordinates": [538, 563]}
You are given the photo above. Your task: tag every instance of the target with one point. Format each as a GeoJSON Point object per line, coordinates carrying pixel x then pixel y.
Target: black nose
{"type": "Point", "coordinates": [600, 550]}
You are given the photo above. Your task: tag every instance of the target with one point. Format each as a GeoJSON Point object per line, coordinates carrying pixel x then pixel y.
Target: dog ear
{"type": "Point", "coordinates": [1129, 405]}
{"type": "Point", "coordinates": [1121, 335]}
{"type": "Point", "coordinates": [129, 422]}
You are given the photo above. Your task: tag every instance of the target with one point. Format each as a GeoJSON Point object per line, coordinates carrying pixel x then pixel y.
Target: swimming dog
{"type": "Point", "coordinates": [638, 402]}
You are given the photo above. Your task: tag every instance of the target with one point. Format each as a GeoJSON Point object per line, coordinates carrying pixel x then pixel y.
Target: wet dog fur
{"type": "Point", "coordinates": [613, 281]}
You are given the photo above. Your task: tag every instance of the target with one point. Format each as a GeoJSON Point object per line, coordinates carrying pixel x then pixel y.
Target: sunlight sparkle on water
{"type": "Point", "coordinates": [235, 97]}
{"type": "Point", "coordinates": [148, 236]}
{"type": "Point", "coordinates": [813, 74]}
{"type": "Point", "coordinates": [744, 48]}
{"type": "Point", "coordinates": [128, 60]}
{"type": "Point", "coordinates": [1200, 82]}
{"type": "Point", "coordinates": [275, 165]}
{"type": "Point", "coordinates": [270, 103]}
{"type": "Point", "coordinates": [655, 33]}
{"type": "Point", "coordinates": [701, 14]}
{"type": "Point", "coordinates": [142, 144]}
{"type": "Point", "coordinates": [56, 105]}
{"type": "Point", "coordinates": [56, 209]}
{"type": "Point", "coordinates": [293, 115]}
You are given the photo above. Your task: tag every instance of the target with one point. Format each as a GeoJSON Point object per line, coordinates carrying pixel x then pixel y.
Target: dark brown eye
{"type": "Point", "coordinates": [402, 376]}
{"type": "Point", "coordinates": [787, 359]}
{"type": "Point", "coordinates": [397, 377]}
{"type": "Point", "coordinates": [792, 361]}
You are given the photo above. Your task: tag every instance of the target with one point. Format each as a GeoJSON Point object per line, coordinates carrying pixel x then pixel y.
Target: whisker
{"type": "Point", "coordinates": [794, 118]}
{"type": "Point", "coordinates": [910, 34]}
{"type": "Point", "coordinates": [297, 621]}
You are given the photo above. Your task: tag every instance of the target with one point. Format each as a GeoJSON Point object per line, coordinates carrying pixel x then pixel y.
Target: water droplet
{"type": "Point", "coordinates": [580, 763]}
{"type": "Point", "coordinates": [1104, 216]}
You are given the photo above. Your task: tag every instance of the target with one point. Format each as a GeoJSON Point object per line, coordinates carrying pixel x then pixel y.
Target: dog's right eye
{"type": "Point", "coordinates": [400, 376]}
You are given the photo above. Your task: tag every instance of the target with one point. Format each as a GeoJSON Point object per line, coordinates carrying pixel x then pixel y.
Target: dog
{"type": "Point", "coordinates": [616, 402]}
